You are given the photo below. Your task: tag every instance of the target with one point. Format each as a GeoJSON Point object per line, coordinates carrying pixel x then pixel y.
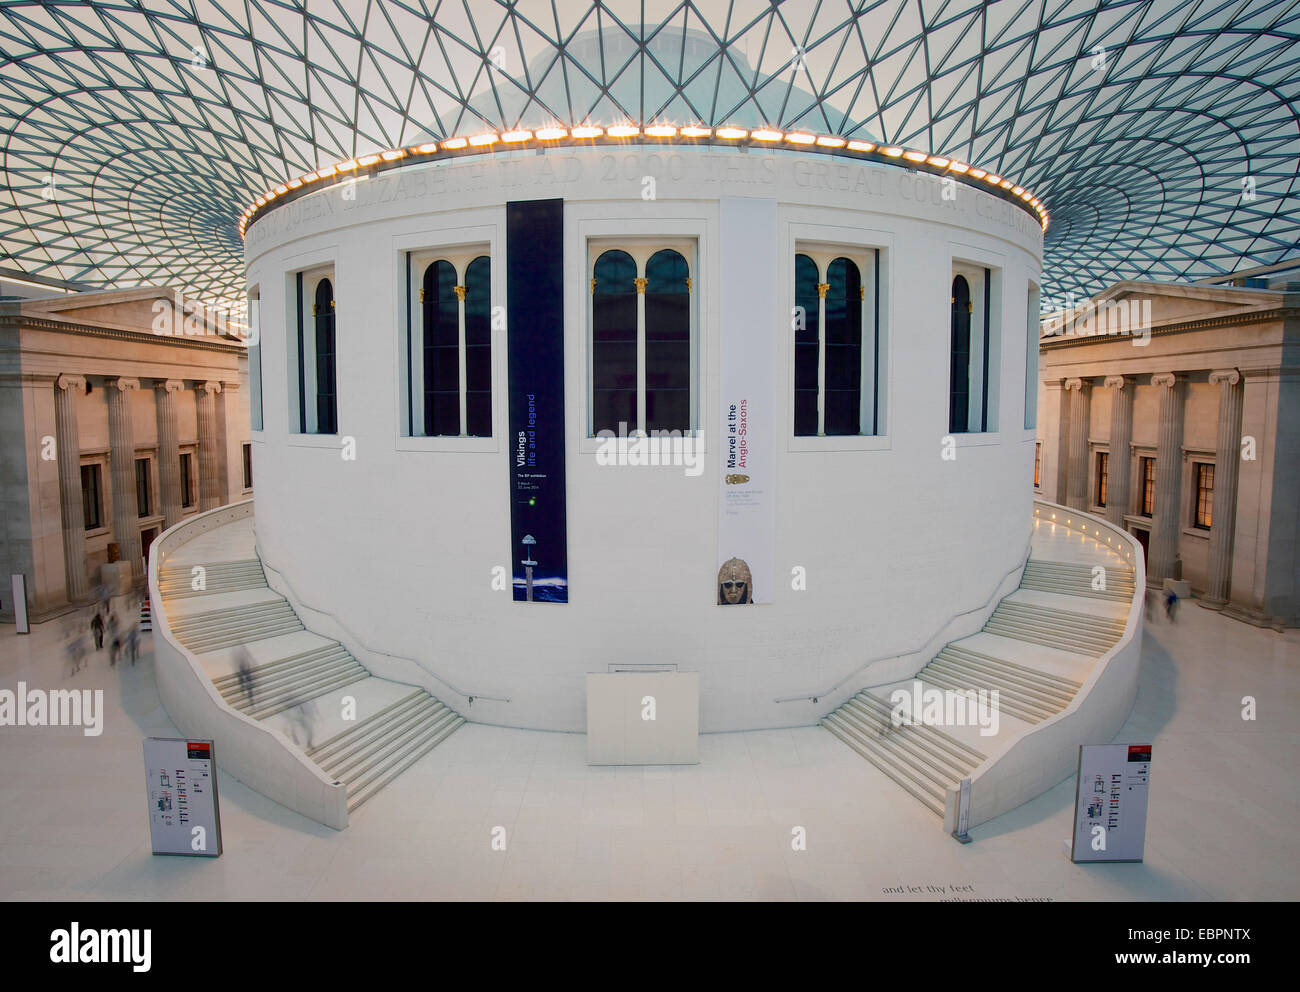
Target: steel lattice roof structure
{"type": "Point", "coordinates": [1162, 136]}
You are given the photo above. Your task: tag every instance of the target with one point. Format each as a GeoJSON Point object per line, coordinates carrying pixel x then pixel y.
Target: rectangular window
{"type": "Point", "coordinates": [836, 341]}
{"type": "Point", "coordinates": [253, 330]}
{"type": "Point", "coordinates": [1031, 358]}
{"type": "Point", "coordinates": [142, 487]}
{"type": "Point", "coordinates": [643, 339]}
{"type": "Point", "coordinates": [314, 357]}
{"type": "Point", "coordinates": [91, 502]}
{"type": "Point", "coordinates": [449, 343]}
{"type": "Point", "coordinates": [248, 466]}
{"type": "Point", "coordinates": [1103, 465]}
{"type": "Point", "coordinates": [1038, 465]}
{"type": "Point", "coordinates": [974, 351]}
{"type": "Point", "coordinates": [187, 486]}
{"type": "Point", "coordinates": [1148, 486]}
{"type": "Point", "coordinates": [1203, 511]}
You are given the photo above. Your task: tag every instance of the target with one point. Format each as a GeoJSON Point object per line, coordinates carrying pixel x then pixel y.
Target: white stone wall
{"type": "Point", "coordinates": [400, 543]}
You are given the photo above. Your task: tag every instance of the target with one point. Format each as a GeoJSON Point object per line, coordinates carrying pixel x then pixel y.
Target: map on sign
{"type": "Point", "coordinates": [1110, 802]}
{"type": "Point", "coordinates": [181, 788]}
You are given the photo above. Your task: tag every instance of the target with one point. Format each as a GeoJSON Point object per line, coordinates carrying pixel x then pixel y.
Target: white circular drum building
{"type": "Point", "coordinates": [528, 406]}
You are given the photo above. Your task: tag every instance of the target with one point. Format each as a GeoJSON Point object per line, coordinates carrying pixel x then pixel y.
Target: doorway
{"type": "Point", "coordinates": [146, 539]}
{"type": "Point", "coordinates": [1142, 536]}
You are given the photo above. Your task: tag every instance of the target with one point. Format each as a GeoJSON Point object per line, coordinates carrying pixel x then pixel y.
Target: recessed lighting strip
{"type": "Point", "coordinates": [590, 135]}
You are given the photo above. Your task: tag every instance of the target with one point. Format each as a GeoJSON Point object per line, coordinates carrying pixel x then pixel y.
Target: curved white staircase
{"type": "Point", "coordinates": [297, 679]}
{"type": "Point", "coordinates": [1037, 650]}
{"type": "Point", "coordinates": [921, 759]}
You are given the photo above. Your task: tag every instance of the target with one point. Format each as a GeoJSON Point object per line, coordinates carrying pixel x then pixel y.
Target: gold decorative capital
{"type": "Point", "coordinates": [460, 293]}
{"type": "Point", "coordinates": [688, 284]}
{"type": "Point", "coordinates": [593, 286]}
{"type": "Point", "coordinates": [822, 289]}
{"type": "Point", "coordinates": [641, 282]}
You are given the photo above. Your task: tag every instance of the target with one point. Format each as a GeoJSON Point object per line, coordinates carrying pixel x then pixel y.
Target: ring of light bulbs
{"type": "Point", "coordinates": [621, 134]}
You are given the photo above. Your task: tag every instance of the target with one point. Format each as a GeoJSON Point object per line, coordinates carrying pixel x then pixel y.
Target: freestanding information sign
{"type": "Point", "coordinates": [181, 786]}
{"type": "Point", "coordinates": [19, 583]}
{"type": "Point", "coordinates": [1110, 802]}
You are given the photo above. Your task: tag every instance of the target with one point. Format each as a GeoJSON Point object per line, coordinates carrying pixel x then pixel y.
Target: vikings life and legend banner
{"type": "Point", "coordinates": [746, 425]}
{"type": "Point", "coordinates": [535, 441]}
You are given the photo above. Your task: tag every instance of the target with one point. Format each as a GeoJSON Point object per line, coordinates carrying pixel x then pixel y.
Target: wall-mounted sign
{"type": "Point", "coordinates": [535, 353]}
{"type": "Point", "coordinates": [181, 786]}
{"type": "Point", "coordinates": [747, 422]}
{"type": "Point", "coordinates": [1110, 802]}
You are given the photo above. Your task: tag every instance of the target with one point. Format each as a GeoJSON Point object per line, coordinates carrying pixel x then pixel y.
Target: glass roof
{"type": "Point", "coordinates": [1162, 136]}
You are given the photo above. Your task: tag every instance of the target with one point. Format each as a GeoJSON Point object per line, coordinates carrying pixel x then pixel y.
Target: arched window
{"type": "Point", "coordinates": [441, 350]}
{"type": "Point", "coordinates": [807, 346]}
{"type": "Point", "coordinates": [843, 413]}
{"type": "Point", "coordinates": [614, 343]}
{"type": "Point", "coordinates": [667, 342]}
{"type": "Point", "coordinates": [478, 347]}
{"type": "Point", "coordinates": [837, 344]}
{"type": "Point", "coordinates": [327, 419]}
{"type": "Point", "coordinates": [959, 383]}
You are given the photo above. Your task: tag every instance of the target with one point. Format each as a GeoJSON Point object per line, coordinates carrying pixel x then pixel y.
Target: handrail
{"type": "Point", "coordinates": [1012, 775]}
{"type": "Point", "coordinates": [256, 753]}
{"type": "Point", "coordinates": [348, 630]}
{"type": "Point", "coordinates": [815, 696]}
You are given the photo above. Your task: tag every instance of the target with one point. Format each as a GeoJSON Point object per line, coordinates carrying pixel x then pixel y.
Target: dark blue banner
{"type": "Point", "coordinates": [535, 441]}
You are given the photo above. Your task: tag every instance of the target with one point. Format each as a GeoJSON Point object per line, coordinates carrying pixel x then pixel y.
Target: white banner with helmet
{"type": "Point", "coordinates": [746, 507]}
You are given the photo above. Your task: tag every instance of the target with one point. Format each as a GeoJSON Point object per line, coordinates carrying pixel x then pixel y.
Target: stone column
{"type": "Point", "coordinates": [223, 441]}
{"type": "Point", "coordinates": [1227, 468]}
{"type": "Point", "coordinates": [1167, 512]}
{"type": "Point", "coordinates": [169, 450]}
{"type": "Point", "coordinates": [121, 443]}
{"type": "Point", "coordinates": [210, 459]}
{"type": "Point", "coordinates": [67, 389]}
{"type": "Point", "coordinates": [1121, 438]}
{"type": "Point", "coordinates": [1080, 405]}
{"type": "Point", "coordinates": [1057, 442]}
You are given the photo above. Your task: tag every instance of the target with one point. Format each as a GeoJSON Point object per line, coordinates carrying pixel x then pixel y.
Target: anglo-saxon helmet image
{"type": "Point", "coordinates": [735, 584]}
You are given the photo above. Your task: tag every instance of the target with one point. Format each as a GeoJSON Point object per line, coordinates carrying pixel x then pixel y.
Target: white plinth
{"type": "Point", "coordinates": [620, 727]}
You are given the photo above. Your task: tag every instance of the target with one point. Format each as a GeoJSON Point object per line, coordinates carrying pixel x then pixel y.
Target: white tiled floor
{"type": "Point", "coordinates": [1225, 798]}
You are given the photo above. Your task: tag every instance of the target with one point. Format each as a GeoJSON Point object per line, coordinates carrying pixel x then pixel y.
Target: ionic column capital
{"type": "Point", "coordinates": [212, 386]}
{"type": "Point", "coordinates": [72, 382]}
{"type": "Point", "coordinates": [1167, 380]}
{"type": "Point", "coordinates": [1079, 384]}
{"type": "Point", "coordinates": [1230, 376]}
{"type": "Point", "coordinates": [122, 383]}
{"type": "Point", "coordinates": [1118, 382]}
{"type": "Point", "coordinates": [169, 386]}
